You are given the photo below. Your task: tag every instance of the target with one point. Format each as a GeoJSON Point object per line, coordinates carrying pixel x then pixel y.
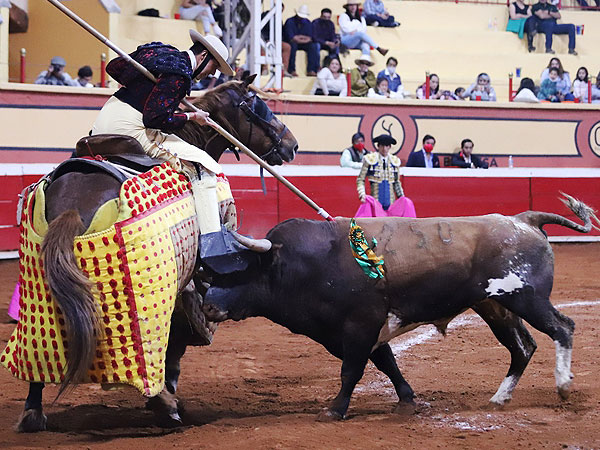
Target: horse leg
{"type": "Point", "coordinates": [384, 360]}
{"type": "Point", "coordinates": [33, 419]}
{"type": "Point", "coordinates": [510, 332]}
{"type": "Point", "coordinates": [533, 305]}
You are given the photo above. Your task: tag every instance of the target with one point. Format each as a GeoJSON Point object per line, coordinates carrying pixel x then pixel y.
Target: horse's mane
{"type": "Point", "coordinates": [212, 101]}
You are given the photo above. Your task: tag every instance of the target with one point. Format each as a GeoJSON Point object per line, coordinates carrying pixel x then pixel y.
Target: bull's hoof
{"type": "Point", "coordinates": [405, 408]}
{"type": "Point", "coordinates": [213, 313]}
{"type": "Point", "coordinates": [327, 415]}
{"type": "Point", "coordinates": [564, 391]}
{"type": "Point", "coordinates": [495, 405]}
{"type": "Point", "coordinates": [32, 421]}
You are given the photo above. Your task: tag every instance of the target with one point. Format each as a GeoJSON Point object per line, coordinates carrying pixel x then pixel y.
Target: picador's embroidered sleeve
{"type": "Point", "coordinates": [360, 181]}
{"type": "Point", "coordinates": [160, 106]}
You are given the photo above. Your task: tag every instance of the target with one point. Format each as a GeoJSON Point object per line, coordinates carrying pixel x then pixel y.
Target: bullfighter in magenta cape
{"type": "Point", "coordinates": [147, 111]}
{"type": "Point", "coordinates": [382, 171]}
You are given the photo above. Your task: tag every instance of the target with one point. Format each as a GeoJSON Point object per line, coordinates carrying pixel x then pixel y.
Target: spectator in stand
{"type": "Point", "coordinates": [354, 30]}
{"type": "Point", "coordinates": [361, 77]}
{"type": "Point", "coordinates": [424, 157]}
{"type": "Point", "coordinates": [331, 79]}
{"type": "Point", "coordinates": [546, 15]}
{"type": "Point", "coordinates": [465, 157]}
{"type": "Point", "coordinates": [563, 84]}
{"type": "Point", "coordinates": [297, 31]}
{"type": "Point", "coordinates": [580, 85]}
{"type": "Point", "coordinates": [548, 90]}
{"type": "Point", "coordinates": [376, 15]}
{"type": "Point", "coordinates": [285, 47]}
{"type": "Point", "coordinates": [526, 92]}
{"type": "Point", "coordinates": [84, 77]}
{"type": "Point", "coordinates": [324, 33]}
{"type": "Point", "coordinates": [389, 73]}
{"type": "Point", "coordinates": [56, 75]}
{"type": "Point", "coordinates": [459, 93]}
{"type": "Point", "coordinates": [382, 90]}
{"type": "Point", "coordinates": [595, 92]}
{"type": "Point", "coordinates": [434, 88]}
{"type": "Point", "coordinates": [200, 11]}
{"type": "Point", "coordinates": [521, 20]}
{"type": "Point", "coordinates": [481, 90]}
{"type": "Point", "coordinates": [353, 156]}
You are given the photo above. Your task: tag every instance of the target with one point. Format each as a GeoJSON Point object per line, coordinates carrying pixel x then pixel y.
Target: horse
{"type": "Point", "coordinates": [71, 202]}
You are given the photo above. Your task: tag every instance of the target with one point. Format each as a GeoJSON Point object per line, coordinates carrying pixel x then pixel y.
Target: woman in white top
{"type": "Point", "coordinates": [199, 10]}
{"type": "Point", "coordinates": [580, 85]}
{"type": "Point", "coordinates": [354, 30]}
{"type": "Point", "coordinates": [330, 79]}
{"type": "Point", "coordinates": [382, 90]}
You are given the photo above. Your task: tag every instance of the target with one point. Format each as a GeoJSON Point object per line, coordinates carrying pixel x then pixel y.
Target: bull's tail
{"type": "Point", "coordinates": [73, 293]}
{"type": "Point", "coordinates": [581, 210]}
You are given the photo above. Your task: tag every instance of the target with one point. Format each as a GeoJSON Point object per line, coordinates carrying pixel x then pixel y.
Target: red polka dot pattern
{"type": "Point", "coordinates": [136, 267]}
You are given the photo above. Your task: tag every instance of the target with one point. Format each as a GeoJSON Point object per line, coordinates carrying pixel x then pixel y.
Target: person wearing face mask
{"type": "Point", "coordinates": [382, 171]}
{"type": "Point", "coordinates": [394, 81]}
{"type": "Point", "coordinates": [147, 111]}
{"type": "Point", "coordinates": [353, 155]}
{"type": "Point", "coordinates": [425, 156]}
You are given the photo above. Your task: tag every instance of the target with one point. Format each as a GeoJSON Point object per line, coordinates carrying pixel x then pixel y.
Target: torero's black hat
{"type": "Point", "coordinates": [384, 139]}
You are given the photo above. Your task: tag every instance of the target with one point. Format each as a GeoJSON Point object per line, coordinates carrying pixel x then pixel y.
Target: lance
{"type": "Point", "coordinates": [210, 122]}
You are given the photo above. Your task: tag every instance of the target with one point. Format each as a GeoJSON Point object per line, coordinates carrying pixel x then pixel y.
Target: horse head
{"type": "Point", "coordinates": [239, 110]}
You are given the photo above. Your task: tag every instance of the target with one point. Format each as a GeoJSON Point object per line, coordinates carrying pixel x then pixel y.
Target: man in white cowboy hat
{"type": "Point", "coordinates": [146, 111]}
{"type": "Point", "coordinates": [361, 77]}
{"type": "Point", "coordinates": [298, 32]}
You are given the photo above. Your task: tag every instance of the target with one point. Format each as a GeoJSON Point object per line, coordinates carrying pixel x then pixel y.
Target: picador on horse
{"type": "Point", "coordinates": [111, 241]}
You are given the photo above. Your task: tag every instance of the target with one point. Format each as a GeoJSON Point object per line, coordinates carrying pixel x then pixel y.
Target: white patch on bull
{"type": "Point", "coordinates": [504, 392]}
{"type": "Point", "coordinates": [508, 284]}
{"type": "Point", "coordinates": [392, 328]}
{"type": "Point", "coordinates": [520, 226]}
{"type": "Point", "coordinates": [562, 373]}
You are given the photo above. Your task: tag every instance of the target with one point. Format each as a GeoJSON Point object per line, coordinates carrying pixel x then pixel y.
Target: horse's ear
{"type": "Point", "coordinates": [249, 80]}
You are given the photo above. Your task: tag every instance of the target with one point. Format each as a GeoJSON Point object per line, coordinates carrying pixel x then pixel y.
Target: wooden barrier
{"type": "Point", "coordinates": [435, 192]}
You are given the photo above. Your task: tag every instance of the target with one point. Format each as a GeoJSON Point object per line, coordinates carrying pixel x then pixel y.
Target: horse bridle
{"type": "Point", "coordinates": [258, 113]}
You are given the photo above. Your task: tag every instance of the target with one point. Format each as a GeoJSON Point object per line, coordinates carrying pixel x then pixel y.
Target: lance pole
{"type": "Point", "coordinates": [210, 122]}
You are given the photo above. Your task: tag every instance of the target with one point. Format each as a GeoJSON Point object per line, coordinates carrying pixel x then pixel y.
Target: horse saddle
{"type": "Point", "coordinates": [116, 148]}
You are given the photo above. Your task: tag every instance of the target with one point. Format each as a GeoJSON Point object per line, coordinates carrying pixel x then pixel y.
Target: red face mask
{"type": "Point", "coordinates": [360, 146]}
{"type": "Point", "coordinates": [428, 148]}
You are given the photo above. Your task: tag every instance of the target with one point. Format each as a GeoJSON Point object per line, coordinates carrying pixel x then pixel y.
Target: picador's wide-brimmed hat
{"type": "Point", "coordinates": [384, 139]}
{"type": "Point", "coordinates": [216, 48]}
{"type": "Point", "coordinates": [364, 59]}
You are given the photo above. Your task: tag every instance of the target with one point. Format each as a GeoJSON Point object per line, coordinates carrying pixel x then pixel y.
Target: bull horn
{"type": "Point", "coordinates": [257, 245]}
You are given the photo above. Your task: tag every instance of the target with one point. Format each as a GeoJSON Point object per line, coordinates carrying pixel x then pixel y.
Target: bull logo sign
{"type": "Point", "coordinates": [389, 124]}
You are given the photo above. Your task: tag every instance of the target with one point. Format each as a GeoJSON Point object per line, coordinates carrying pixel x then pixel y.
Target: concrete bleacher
{"type": "Point", "coordinates": [451, 39]}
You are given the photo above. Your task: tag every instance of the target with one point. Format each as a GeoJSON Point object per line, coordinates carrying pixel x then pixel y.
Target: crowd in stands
{"type": "Point", "coordinates": [312, 37]}
{"type": "Point", "coordinates": [556, 86]}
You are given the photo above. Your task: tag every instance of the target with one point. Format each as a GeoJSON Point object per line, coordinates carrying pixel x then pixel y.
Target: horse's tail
{"type": "Point", "coordinates": [73, 293]}
{"type": "Point", "coordinates": [581, 210]}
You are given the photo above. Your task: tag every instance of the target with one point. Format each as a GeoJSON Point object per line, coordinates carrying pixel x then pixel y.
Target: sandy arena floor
{"type": "Point", "coordinates": [259, 386]}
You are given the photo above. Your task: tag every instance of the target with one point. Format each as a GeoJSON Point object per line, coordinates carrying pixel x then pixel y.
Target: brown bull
{"type": "Point", "coordinates": [499, 266]}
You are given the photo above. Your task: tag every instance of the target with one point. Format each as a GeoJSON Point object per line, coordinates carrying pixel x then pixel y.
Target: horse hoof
{"type": "Point", "coordinates": [405, 408]}
{"type": "Point", "coordinates": [494, 406]}
{"type": "Point", "coordinates": [327, 415]}
{"type": "Point", "coordinates": [32, 421]}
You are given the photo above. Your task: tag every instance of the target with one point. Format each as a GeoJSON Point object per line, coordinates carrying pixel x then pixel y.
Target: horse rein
{"type": "Point", "coordinates": [261, 120]}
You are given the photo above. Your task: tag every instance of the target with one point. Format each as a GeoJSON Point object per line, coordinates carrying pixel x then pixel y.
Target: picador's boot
{"type": "Point", "coordinates": [223, 254]}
